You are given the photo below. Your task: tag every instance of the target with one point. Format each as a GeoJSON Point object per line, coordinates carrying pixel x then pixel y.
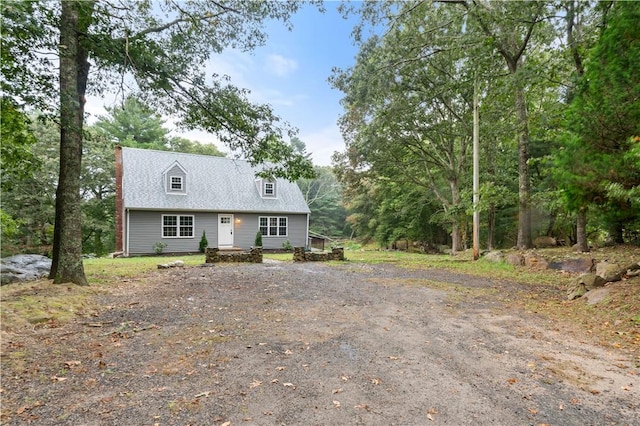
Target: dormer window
{"type": "Point", "coordinates": [175, 179]}
{"type": "Point", "coordinates": [267, 188]}
{"type": "Point", "coordinates": [176, 183]}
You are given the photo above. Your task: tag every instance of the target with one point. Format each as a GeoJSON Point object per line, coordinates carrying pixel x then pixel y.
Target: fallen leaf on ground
{"type": "Point", "coordinates": [512, 380]}
{"type": "Point", "coordinates": [255, 384]}
{"type": "Point", "coordinates": [336, 403]}
{"type": "Point", "coordinates": [336, 390]}
{"type": "Point", "coordinates": [376, 381]}
{"type": "Point", "coordinates": [393, 358]}
{"type": "Point", "coordinates": [362, 406]}
{"type": "Point", "coordinates": [201, 394]}
{"type": "Point", "coordinates": [70, 364]}
{"type": "Point", "coordinates": [281, 368]}
{"type": "Point", "coordinates": [289, 385]}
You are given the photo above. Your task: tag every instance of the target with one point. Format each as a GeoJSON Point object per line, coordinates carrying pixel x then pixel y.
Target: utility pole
{"type": "Point", "coordinates": [476, 173]}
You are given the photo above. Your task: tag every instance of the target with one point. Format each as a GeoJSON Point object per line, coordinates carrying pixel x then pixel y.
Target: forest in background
{"type": "Point", "coordinates": [559, 104]}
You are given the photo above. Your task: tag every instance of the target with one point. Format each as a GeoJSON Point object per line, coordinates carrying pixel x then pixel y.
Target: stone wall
{"type": "Point", "coordinates": [214, 255]}
{"type": "Point", "coordinates": [301, 255]}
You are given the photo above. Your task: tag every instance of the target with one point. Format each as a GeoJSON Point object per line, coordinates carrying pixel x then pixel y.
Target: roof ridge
{"type": "Point", "coordinates": [160, 151]}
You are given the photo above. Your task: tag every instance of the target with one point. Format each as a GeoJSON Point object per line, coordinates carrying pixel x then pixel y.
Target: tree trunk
{"type": "Point", "coordinates": [455, 238]}
{"type": "Point", "coordinates": [491, 228]}
{"type": "Point", "coordinates": [67, 243]}
{"type": "Point", "coordinates": [581, 231]}
{"type": "Point", "coordinates": [524, 179]}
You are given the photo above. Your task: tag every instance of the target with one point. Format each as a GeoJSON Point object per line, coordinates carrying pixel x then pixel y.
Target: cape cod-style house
{"type": "Point", "coordinates": [171, 198]}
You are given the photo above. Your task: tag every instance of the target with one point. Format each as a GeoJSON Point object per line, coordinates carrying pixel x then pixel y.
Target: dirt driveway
{"type": "Point", "coordinates": [314, 344]}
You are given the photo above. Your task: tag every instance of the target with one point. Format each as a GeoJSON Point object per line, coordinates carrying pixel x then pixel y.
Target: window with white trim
{"type": "Point", "coordinates": [177, 226]}
{"type": "Point", "coordinates": [273, 226]}
{"type": "Point", "coordinates": [176, 183]}
{"type": "Point", "coordinates": [269, 189]}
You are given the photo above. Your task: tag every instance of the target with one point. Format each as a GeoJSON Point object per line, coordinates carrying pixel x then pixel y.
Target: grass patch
{"type": "Point", "coordinates": [282, 257]}
{"type": "Point", "coordinates": [43, 304]}
{"type": "Point", "coordinates": [104, 270]}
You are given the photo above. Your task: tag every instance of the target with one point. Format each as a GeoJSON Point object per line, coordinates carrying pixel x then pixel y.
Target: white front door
{"type": "Point", "coordinates": [225, 230]}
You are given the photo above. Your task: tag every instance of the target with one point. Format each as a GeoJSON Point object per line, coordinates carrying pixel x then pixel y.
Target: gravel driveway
{"type": "Point", "coordinates": [316, 344]}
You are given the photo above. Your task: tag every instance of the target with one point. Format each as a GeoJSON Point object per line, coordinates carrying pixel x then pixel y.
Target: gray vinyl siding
{"type": "Point", "coordinates": [145, 229]}
{"type": "Point", "coordinates": [246, 227]}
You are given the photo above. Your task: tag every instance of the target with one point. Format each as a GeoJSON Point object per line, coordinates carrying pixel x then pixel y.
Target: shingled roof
{"type": "Point", "coordinates": [213, 184]}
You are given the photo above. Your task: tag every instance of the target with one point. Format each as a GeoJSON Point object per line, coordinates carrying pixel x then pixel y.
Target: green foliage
{"type": "Point", "coordinates": [597, 163]}
{"type": "Point", "coordinates": [9, 227]}
{"type": "Point", "coordinates": [159, 247]}
{"type": "Point", "coordinates": [258, 239]}
{"type": "Point", "coordinates": [324, 198]}
{"type": "Point", "coordinates": [134, 124]}
{"type": "Point", "coordinates": [286, 246]}
{"type": "Point", "coordinates": [17, 160]}
{"type": "Point", "coordinates": [203, 243]}
{"type": "Point", "coordinates": [33, 198]}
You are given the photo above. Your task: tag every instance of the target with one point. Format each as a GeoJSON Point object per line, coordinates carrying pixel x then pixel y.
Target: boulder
{"type": "Point", "coordinates": [495, 256]}
{"type": "Point", "coordinates": [583, 284]}
{"type": "Point", "coordinates": [545, 242]}
{"type": "Point", "coordinates": [24, 267]}
{"type": "Point", "coordinates": [444, 249]}
{"type": "Point", "coordinates": [633, 270]}
{"type": "Point", "coordinates": [610, 271]}
{"type": "Point", "coordinates": [597, 295]}
{"type": "Point", "coordinates": [532, 260]}
{"type": "Point", "coordinates": [515, 259]}
{"type": "Point", "coordinates": [573, 265]}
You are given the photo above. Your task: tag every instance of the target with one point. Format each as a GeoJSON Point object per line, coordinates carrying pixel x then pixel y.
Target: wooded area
{"type": "Point", "coordinates": [559, 86]}
{"type": "Point", "coordinates": [559, 89]}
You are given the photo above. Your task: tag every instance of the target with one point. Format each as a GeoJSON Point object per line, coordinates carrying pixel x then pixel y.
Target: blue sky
{"type": "Point", "coordinates": [290, 73]}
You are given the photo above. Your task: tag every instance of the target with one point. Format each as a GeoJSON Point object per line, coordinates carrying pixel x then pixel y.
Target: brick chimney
{"type": "Point", "coordinates": [119, 202]}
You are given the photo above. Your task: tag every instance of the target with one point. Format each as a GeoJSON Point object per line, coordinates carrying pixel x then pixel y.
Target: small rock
{"type": "Point", "coordinates": [163, 266]}
{"type": "Point", "coordinates": [178, 263]}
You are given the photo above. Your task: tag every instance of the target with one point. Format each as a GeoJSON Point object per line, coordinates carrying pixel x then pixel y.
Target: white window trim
{"type": "Point", "coordinates": [278, 226]}
{"type": "Point", "coordinates": [263, 189]}
{"type": "Point", "coordinates": [178, 216]}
